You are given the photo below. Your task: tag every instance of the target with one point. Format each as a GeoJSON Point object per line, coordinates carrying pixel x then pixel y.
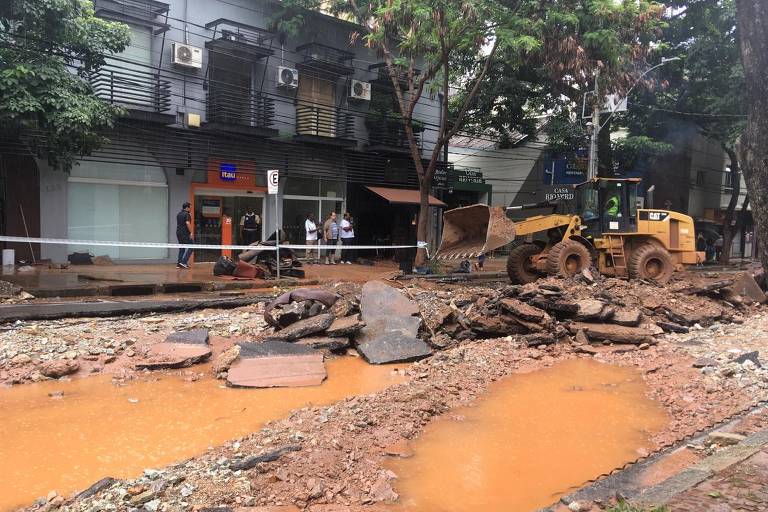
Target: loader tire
{"type": "Point", "coordinates": [651, 262]}
{"type": "Point", "coordinates": [520, 268]}
{"type": "Point", "coordinates": [568, 258]}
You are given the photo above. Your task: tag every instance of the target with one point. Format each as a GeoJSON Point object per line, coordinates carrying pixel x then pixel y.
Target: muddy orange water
{"type": "Point", "coordinates": [530, 440]}
{"type": "Point", "coordinates": [98, 429]}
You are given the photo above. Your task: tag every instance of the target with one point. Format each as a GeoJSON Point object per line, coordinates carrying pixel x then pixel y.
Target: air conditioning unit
{"type": "Point", "coordinates": [187, 56]}
{"type": "Point", "coordinates": [287, 77]}
{"type": "Point", "coordinates": [360, 90]}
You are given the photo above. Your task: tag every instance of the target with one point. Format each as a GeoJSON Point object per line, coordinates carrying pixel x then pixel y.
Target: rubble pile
{"type": "Point", "coordinates": [611, 310]}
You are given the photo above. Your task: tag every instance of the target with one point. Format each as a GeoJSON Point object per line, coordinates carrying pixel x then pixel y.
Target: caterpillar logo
{"type": "Point", "coordinates": [653, 215]}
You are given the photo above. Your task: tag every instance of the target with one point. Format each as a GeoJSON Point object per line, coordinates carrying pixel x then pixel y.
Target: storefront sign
{"type": "Point", "coordinates": [469, 176]}
{"type": "Point", "coordinates": [227, 172]}
{"type": "Point", "coordinates": [560, 194]}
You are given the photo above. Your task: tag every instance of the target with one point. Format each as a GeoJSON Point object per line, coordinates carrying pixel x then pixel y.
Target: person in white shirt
{"type": "Point", "coordinates": [347, 238]}
{"type": "Point", "coordinates": [311, 228]}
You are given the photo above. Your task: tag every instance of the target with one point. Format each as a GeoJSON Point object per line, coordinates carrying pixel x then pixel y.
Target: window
{"type": "Point", "coordinates": [701, 178]}
{"type": "Point", "coordinates": [315, 112]}
{"type": "Point", "coordinates": [118, 202]}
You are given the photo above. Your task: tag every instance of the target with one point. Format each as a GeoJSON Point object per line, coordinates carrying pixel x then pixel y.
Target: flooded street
{"type": "Point", "coordinates": [98, 429]}
{"type": "Point", "coordinates": [531, 439]}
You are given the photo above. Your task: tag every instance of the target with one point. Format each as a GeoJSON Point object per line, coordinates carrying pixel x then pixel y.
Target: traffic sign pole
{"type": "Point", "coordinates": [273, 181]}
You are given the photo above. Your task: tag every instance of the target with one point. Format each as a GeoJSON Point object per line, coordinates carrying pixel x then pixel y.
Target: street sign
{"type": "Point", "coordinates": [272, 181]}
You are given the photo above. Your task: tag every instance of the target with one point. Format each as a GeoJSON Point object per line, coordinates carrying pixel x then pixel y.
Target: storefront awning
{"type": "Point", "coordinates": [403, 196]}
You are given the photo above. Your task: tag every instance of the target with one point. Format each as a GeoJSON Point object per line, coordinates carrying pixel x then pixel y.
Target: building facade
{"type": "Point", "coordinates": [214, 99]}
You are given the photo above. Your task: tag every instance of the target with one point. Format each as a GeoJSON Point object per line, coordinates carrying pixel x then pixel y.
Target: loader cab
{"type": "Point", "coordinates": [607, 205]}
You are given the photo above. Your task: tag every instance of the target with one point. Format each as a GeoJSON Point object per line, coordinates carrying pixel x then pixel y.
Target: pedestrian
{"type": "Point", "coordinates": [250, 224]}
{"type": "Point", "coordinates": [331, 236]}
{"type": "Point", "coordinates": [719, 247]}
{"type": "Point", "coordinates": [184, 235]}
{"type": "Point", "coordinates": [347, 238]}
{"type": "Point", "coordinates": [311, 228]}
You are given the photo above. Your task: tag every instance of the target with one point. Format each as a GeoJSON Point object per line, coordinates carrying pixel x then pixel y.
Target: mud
{"type": "Point", "coordinates": [64, 436]}
{"type": "Point", "coordinates": [503, 454]}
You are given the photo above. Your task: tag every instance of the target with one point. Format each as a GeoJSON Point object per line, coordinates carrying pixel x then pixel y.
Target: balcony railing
{"type": "Point", "coordinates": [390, 135]}
{"type": "Point", "coordinates": [233, 106]}
{"type": "Point", "coordinates": [239, 39]}
{"type": "Point", "coordinates": [321, 58]}
{"type": "Point", "coordinates": [322, 121]}
{"type": "Point", "coordinates": [131, 87]}
{"type": "Point", "coordinates": [139, 12]}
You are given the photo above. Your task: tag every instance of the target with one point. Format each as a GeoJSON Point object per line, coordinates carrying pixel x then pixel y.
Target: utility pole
{"type": "Point", "coordinates": [592, 167]}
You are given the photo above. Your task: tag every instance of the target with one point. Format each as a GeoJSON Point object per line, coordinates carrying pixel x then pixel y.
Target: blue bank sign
{"type": "Point", "coordinates": [228, 172]}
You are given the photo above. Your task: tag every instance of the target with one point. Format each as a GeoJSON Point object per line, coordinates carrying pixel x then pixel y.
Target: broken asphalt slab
{"type": "Point", "coordinates": [78, 309]}
{"type": "Point", "coordinates": [613, 332]}
{"type": "Point", "coordinates": [276, 364]}
{"type": "Point", "coordinates": [302, 328]}
{"type": "Point", "coordinates": [166, 355]}
{"type": "Point", "coordinates": [391, 326]}
{"type": "Point", "coordinates": [191, 337]}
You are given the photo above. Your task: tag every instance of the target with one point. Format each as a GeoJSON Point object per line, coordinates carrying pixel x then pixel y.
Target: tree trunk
{"type": "Point", "coordinates": [421, 226]}
{"type": "Point", "coordinates": [728, 223]}
{"type": "Point", "coordinates": [753, 145]}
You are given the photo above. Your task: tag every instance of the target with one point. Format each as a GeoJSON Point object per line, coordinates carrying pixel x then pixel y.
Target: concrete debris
{"type": "Point", "coordinates": [191, 337]}
{"type": "Point", "coordinates": [59, 368]}
{"type": "Point", "coordinates": [725, 438]}
{"type": "Point", "coordinates": [224, 360]}
{"type": "Point", "coordinates": [173, 355]}
{"type": "Point", "coordinates": [345, 327]}
{"type": "Point", "coordinates": [306, 327]}
{"type": "Point", "coordinates": [251, 461]}
{"type": "Point", "coordinates": [391, 327]}
{"type": "Point", "coordinates": [276, 364]}
{"type": "Point", "coordinates": [274, 310]}
{"type": "Point", "coordinates": [326, 343]}
{"type": "Point", "coordinates": [746, 286]}
{"type": "Point", "coordinates": [613, 333]}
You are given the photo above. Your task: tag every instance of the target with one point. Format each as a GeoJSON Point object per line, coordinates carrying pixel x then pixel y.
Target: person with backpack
{"type": "Point", "coordinates": [250, 225]}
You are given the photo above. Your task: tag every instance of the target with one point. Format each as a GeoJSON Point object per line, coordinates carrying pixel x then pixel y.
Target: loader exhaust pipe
{"type": "Point", "coordinates": [474, 230]}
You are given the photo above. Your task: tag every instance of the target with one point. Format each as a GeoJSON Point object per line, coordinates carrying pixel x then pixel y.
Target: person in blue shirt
{"type": "Point", "coordinates": [331, 236]}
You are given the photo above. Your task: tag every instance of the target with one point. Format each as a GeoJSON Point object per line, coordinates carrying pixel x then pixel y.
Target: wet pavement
{"type": "Point", "coordinates": [64, 436]}
{"type": "Point", "coordinates": [530, 439]}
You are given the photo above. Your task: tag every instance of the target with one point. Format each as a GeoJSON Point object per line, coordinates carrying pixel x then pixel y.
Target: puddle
{"type": "Point", "coordinates": [98, 429]}
{"type": "Point", "coordinates": [533, 439]}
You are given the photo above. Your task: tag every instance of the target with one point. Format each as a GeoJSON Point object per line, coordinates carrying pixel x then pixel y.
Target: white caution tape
{"type": "Point", "coordinates": [112, 243]}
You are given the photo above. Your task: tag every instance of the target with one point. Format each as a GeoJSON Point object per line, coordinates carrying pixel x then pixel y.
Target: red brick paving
{"type": "Point", "coordinates": [740, 487]}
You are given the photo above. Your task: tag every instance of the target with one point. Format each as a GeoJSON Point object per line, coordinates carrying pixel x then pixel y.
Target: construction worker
{"type": "Point", "coordinates": [612, 206]}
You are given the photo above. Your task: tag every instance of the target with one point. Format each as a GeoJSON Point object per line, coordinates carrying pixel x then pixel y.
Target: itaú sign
{"type": "Point", "coordinates": [228, 172]}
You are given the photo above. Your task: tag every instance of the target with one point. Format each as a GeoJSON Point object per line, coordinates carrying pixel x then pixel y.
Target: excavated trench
{"type": "Point", "coordinates": [531, 439]}
{"type": "Point", "coordinates": [64, 436]}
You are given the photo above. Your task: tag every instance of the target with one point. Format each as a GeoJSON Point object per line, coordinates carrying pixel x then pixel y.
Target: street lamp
{"type": "Point", "coordinates": [597, 126]}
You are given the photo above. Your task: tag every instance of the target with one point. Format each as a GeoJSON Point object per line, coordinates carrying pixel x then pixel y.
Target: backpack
{"type": "Point", "coordinates": [224, 267]}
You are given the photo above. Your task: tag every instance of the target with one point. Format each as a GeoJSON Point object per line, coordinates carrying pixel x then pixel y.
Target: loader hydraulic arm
{"type": "Point", "coordinates": [541, 223]}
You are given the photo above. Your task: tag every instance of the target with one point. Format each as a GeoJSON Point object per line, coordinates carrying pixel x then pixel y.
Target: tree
{"type": "Point", "coordinates": [420, 42]}
{"type": "Point", "coordinates": [709, 82]}
{"type": "Point", "coordinates": [752, 147]}
{"type": "Point", "coordinates": [48, 48]}
{"type": "Point", "coordinates": [578, 38]}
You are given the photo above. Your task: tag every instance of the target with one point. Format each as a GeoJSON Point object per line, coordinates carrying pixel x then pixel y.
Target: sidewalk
{"type": "Point", "coordinates": [151, 279]}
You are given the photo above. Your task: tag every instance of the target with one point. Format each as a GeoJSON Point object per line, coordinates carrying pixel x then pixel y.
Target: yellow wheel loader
{"type": "Point", "coordinates": [607, 230]}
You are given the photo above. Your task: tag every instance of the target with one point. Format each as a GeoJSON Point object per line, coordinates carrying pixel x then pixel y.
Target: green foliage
{"type": "Point", "coordinates": [47, 50]}
{"type": "Point", "coordinates": [575, 38]}
{"type": "Point", "coordinates": [630, 151]}
{"type": "Point", "coordinates": [708, 81]}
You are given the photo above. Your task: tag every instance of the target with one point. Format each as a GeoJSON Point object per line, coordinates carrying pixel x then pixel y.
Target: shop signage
{"type": "Point", "coordinates": [469, 176]}
{"type": "Point", "coordinates": [227, 172]}
{"type": "Point", "coordinates": [273, 180]}
{"type": "Point", "coordinates": [559, 193]}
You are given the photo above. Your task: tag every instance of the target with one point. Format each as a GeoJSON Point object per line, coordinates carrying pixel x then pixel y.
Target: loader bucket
{"type": "Point", "coordinates": [474, 230]}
